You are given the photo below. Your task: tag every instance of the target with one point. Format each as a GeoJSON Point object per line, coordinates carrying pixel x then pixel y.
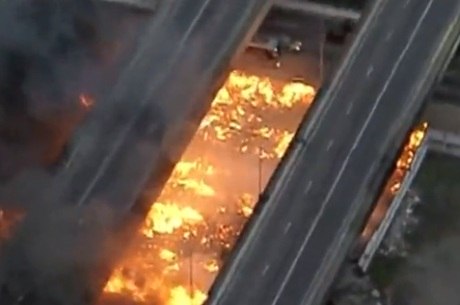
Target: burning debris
{"type": "Point", "coordinates": [192, 226]}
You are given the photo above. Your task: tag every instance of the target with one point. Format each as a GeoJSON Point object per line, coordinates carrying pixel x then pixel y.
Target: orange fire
{"type": "Point", "coordinates": [86, 101]}
{"type": "Point", "coordinates": [180, 296]}
{"type": "Point", "coordinates": [211, 192]}
{"type": "Point", "coordinates": [403, 165]}
{"type": "Point", "coordinates": [8, 221]}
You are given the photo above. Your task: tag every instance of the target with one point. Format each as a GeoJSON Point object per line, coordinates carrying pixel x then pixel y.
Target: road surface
{"type": "Point", "coordinates": [292, 247]}
{"type": "Point", "coordinates": [134, 136]}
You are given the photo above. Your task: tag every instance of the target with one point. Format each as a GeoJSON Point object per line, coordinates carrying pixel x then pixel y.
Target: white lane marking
{"type": "Point", "coordinates": [349, 108]}
{"type": "Point", "coordinates": [265, 269]}
{"type": "Point", "coordinates": [349, 59]}
{"type": "Point", "coordinates": [309, 184]}
{"type": "Point", "coordinates": [115, 147]}
{"type": "Point", "coordinates": [389, 35]}
{"type": "Point", "coordinates": [406, 3]}
{"type": "Point", "coordinates": [337, 81]}
{"type": "Point", "coordinates": [329, 145]}
{"type": "Point", "coordinates": [347, 159]}
{"type": "Point", "coordinates": [369, 71]}
{"type": "Point", "coordinates": [287, 227]}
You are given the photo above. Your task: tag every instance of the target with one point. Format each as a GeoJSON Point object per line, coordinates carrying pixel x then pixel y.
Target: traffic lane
{"type": "Point", "coordinates": [262, 267]}
{"type": "Point", "coordinates": [346, 141]}
{"type": "Point", "coordinates": [327, 167]}
{"type": "Point", "coordinates": [190, 35]}
{"type": "Point", "coordinates": [323, 241]}
{"type": "Point", "coordinates": [273, 257]}
{"type": "Point", "coordinates": [276, 245]}
{"type": "Point", "coordinates": [288, 260]}
{"type": "Point", "coordinates": [362, 70]}
{"type": "Point", "coordinates": [327, 228]}
{"type": "Point", "coordinates": [332, 144]}
{"type": "Point", "coordinates": [328, 139]}
{"type": "Point", "coordinates": [354, 93]}
{"type": "Point", "coordinates": [312, 254]}
{"type": "Point", "coordinates": [402, 84]}
{"type": "Point", "coordinates": [393, 96]}
{"type": "Point", "coordinates": [307, 228]}
{"type": "Point", "coordinates": [356, 61]}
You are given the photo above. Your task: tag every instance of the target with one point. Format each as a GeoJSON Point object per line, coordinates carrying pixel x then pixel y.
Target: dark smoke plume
{"type": "Point", "coordinates": [51, 51]}
{"type": "Point", "coordinates": [46, 50]}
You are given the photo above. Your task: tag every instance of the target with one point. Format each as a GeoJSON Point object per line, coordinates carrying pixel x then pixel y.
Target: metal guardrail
{"type": "Point", "coordinates": [319, 9]}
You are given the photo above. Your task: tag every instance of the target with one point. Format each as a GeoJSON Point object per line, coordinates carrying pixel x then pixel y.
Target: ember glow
{"type": "Point", "coordinates": [212, 191]}
{"type": "Point", "coordinates": [403, 165]}
{"type": "Point", "coordinates": [86, 101]}
{"type": "Point", "coordinates": [8, 221]}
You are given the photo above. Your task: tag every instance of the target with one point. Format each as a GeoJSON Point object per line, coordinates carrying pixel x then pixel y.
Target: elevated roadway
{"type": "Point", "coordinates": [305, 221]}
{"type": "Point", "coordinates": [134, 136]}
{"type": "Point", "coordinates": [127, 147]}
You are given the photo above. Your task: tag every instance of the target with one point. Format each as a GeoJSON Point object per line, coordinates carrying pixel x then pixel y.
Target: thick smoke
{"type": "Point", "coordinates": [54, 264]}
{"type": "Point", "coordinates": [51, 51]}
{"type": "Point", "coordinates": [431, 277]}
{"type": "Point", "coordinates": [47, 48]}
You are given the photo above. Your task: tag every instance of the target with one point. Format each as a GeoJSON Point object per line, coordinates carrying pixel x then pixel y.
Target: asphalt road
{"type": "Point", "coordinates": [293, 246]}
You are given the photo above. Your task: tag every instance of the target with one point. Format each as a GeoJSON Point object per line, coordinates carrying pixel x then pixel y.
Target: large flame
{"type": "Point", "coordinates": [180, 296]}
{"type": "Point", "coordinates": [211, 192]}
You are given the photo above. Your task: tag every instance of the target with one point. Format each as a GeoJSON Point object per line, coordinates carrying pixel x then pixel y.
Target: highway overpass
{"type": "Point", "coordinates": [128, 145]}
{"type": "Point", "coordinates": [290, 250]}
{"type": "Point", "coordinates": [304, 223]}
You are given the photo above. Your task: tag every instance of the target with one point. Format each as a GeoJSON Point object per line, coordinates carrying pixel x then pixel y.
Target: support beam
{"type": "Point", "coordinates": [318, 9]}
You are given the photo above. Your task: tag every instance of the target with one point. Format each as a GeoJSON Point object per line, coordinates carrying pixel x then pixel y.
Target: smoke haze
{"type": "Point", "coordinates": [432, 276]}
{"type": "Point", "coordinates": [51, 52]}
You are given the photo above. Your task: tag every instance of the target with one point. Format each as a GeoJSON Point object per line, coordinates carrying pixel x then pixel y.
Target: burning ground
{"type": "Point", "coordinates": [192, 226]}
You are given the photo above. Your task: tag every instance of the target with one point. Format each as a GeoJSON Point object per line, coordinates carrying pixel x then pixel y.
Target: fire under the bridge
{"type": "Point", "coordinates": [192, 226]}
